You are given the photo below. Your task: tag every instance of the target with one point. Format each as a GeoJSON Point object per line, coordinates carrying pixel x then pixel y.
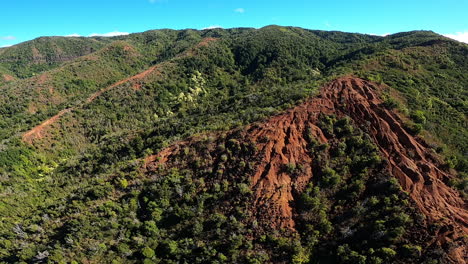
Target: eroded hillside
{"type": "Point", "coordinates": [284, 140]}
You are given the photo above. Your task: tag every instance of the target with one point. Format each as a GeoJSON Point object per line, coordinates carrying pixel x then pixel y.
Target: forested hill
{"type": "Point", "coordinates": [271, 145]}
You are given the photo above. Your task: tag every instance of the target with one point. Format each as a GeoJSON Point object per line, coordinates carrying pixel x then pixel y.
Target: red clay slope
{"type": "Point", "coordinates": [281, 140]}
{"type": "Point", "coordinates": [410, 161]}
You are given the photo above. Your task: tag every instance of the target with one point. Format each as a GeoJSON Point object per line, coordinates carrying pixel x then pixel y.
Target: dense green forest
{"type": "Point", "coordinates": [76, 191]}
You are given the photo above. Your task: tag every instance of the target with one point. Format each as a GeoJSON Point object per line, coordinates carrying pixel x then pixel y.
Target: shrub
{"type": "Point", "coordinates": [244, 188]}
{"type": "Point", "coordinates": [411, 251]}
{"type": "Point", "coordinates": [389, 102]}
{"type": "Point", "coordinates": [330, 177]}
{"type": "Point", "coordinates": [123, 183]}
{"type": "Point", "coordinates": [147, 252]}
{"type": "Point", "coordinates": [224, 157]}
{"type": "Point", "coordinates": [413, 128]}
{"type": "Point", "coordinates": [387, 253]}
{"type": "Point", "coordinates": [418, 117]}
{"type": "Point", "coordinates": [290, 168]}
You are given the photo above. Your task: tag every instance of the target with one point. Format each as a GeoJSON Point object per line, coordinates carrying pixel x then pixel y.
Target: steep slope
{"type": "Point", "coordinates": [283, 140]}
{"type": "Point", "coordinates": [412, 162]}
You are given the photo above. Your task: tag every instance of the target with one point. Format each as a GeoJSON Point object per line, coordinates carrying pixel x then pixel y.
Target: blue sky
{"type": "Point", "coordinates": [22, 20]}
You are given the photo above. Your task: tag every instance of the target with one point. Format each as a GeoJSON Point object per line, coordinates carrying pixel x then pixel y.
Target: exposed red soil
{"type": "Point", "coordinates": [194, 50]}
{"type": "Point", "coordinates": [8, 78]}
{"type": "Point", "coordinates": [136, 86]}
{"type": "Point", "coordinates": [411, 161]}
{"type": "Point", "coordinates": [128, 48]}
{"type": "Point", "coordinates": [205, 42]}
{"type": "Point", "coordinates": [281, 140]}
{"type": "Point", "coordinates": [37, 131]}
{"type": "Point", "coordinates": [410, 158]}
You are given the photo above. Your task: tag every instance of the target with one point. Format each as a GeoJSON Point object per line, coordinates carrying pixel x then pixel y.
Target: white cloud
{"type": "Point", "coordinates": [5, 46]}
{"type": "Point", "coordinates": [460, 36]}
{"type": "Point", "coordinates": [239, 10]}
{"type": "Point", "coordinates": [381, 35]}
{"type": "Point", "coordinates": [8, 38]}
{"type": "Point", "coordinates": [212, 26]}
{"type": "Point", "coordinates": [110, 34]}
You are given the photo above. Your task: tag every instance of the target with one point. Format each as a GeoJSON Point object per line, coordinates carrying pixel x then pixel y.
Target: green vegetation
{"type": "Point", "coordinates": [29, 58]}
{"type": "Point", "coordinates": [78, 193]}
{"type": "Point", "coordinates": [354, 212]}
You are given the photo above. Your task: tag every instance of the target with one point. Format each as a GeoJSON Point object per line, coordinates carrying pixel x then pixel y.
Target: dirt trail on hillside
{"type": "Point", "coordinates": [281, 140]}
{"type": "Point", "coordinates": [37, 132]}
{"type": "Point", "coordinates": [133, 78]}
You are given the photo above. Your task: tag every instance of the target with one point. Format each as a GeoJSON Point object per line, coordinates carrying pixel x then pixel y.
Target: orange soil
{"type": "Point", "coordinates": [411, 161]}
{"type": "Point", "coordinates": [136, 86]}
{"type": "Point", "coordinates": [281, 140]}
{"type": "Point", "coordinates": [42, 78]}
{"type": "Point", "coordinates": [194, 50]}
{"type": "Point", "coordinates": [8, 78]}
{"type": "Point", "coordinates": [205, 42]}
{"type": "Point", "coordinates": [133, 78]}
{"type": "Point", "coordinates": [36, 132]}
{"type": "Point", "coordinates": [128, 48]}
